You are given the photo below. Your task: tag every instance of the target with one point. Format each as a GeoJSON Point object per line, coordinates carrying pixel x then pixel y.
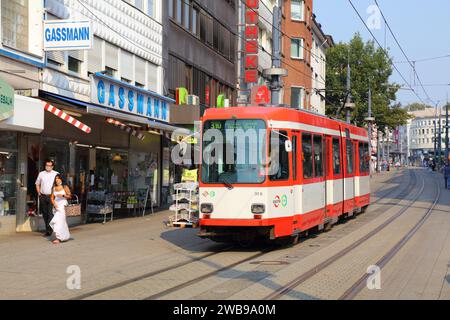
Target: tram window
{"type": "Point", "coordinates": [294, 157]}
{"type": "Point", "coordinates": [307, 156]}
{"type": "Point", "coordinates": [364, 157]}
{"type": "Point", "coordinates": [318, 157]}
{"type": "Point", "coordinates": [350, 156]}
{"type": "Point", "coordinates": [336, 157]}
{"type": "Point", "coordinates": [279, 156]}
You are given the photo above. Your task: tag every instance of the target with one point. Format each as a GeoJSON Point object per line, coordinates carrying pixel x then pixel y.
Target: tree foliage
{"type": "Point", "coordinates": [367, 64]}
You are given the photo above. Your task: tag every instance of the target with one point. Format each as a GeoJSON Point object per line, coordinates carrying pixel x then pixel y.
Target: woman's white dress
{"type": "Point", "coordinates": [59, 222]}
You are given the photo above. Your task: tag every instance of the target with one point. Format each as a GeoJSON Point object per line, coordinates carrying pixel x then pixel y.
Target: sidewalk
{"type": "Point", "coordinates": [31, 267]}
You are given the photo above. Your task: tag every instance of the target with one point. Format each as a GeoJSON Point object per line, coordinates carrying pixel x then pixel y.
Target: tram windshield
{"type": "Point", "coordinates": [234, 151]}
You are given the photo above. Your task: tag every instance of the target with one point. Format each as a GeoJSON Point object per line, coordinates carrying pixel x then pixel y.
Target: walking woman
{"type": "Point", "coordinates": [60, 195]}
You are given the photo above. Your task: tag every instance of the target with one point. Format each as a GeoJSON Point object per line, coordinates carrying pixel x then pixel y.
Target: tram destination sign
{"type": "Point", "coordinates": [67, 35]}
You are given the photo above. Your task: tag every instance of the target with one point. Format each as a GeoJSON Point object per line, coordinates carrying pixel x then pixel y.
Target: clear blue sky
{"type": "Point", "coordinates": [422, 28]}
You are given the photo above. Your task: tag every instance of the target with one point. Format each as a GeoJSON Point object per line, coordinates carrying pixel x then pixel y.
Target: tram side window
{"type": "Point", "coordinates": [364, 157]}
{"type": "Point", "coordinates": [350, 156]}
{"type": "Point", "coordinates": [279, 156]}
{"type": "Point", "coordinates": [336, 157]}
{"type": "Point", "coordinates": [318, 157]}
{"type": "Point", "coordinates": [307, 155]}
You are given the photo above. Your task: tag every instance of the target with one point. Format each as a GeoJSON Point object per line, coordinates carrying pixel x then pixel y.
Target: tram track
{"type": "Point", "coordinates": [192, 281]}
{"type": "Point", "coordinates": [286, 289]}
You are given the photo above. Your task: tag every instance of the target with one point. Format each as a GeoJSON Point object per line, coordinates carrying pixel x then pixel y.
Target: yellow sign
{"type": "Point", "coordinates": [190, 175]}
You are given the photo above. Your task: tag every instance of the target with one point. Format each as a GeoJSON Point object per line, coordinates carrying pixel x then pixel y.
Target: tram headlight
{"type": "Point", "coordinates": [207, 208]}
{"type": "Point", "coordinates": [258, 208]}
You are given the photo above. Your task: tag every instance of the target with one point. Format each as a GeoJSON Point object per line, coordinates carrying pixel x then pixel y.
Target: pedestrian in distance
{"type": "Point", "coordinates": [44, 185]}
{"type": "Point", "coordinates": [60, 194]}
{"type": "Point", "coordinates": [447, 173]}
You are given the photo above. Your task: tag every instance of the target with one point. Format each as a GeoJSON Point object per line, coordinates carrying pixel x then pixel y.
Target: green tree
{"type": "Point", "coordinates": [367, 64]}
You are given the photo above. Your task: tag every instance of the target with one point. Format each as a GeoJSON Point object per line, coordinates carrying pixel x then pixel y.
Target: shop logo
{"type": "Point", "coordinates": [277, 201]}
{"type": "Point", "coordinates": [212, 194]}
{"type": "Point", "coordinates": [284, 201]}
{"type": "Point", "coordinates": [205, 194]}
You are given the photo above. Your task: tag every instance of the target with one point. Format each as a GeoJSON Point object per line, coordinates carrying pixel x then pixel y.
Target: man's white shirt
{"type": "Point", "coordinates": [45, 180]}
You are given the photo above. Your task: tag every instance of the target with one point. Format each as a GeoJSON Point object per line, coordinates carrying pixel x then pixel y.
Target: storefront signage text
{"type": "Point", "coordinates": [131, 100]}
{"type": "Point", "coordinates": [251, 41]}
{"type": "Point", "coordinates": [6, 100]}
{"type": "Point", "coordinates": [67, 35]}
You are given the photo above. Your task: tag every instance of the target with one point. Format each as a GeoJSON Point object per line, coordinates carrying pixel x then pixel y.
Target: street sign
{"type": "Point", "coordinates": [6, 100]}
{"type": "Point", "coordinates": [67, 35]}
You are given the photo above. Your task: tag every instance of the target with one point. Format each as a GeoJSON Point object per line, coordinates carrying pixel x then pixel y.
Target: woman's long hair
{"type": "Point", "coordinates": [58, 176]}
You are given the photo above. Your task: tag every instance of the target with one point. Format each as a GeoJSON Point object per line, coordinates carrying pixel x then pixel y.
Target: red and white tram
{"type": "Point", "coordinates": [323, 174]}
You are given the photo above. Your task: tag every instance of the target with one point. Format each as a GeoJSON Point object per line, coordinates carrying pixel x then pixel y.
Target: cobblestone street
{"type": "Point", "coordinates": [142, 259]}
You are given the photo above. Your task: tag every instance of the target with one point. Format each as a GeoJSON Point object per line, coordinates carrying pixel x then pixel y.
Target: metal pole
{"type": "Point", "coordinates": [276, 53]}
{"type": "Point", "coordinates": [447, 151]}
{"type": "Point", "coordinates": [440, 139]}
{"type": "Point", "coordinates": [241, 45]}
{"type": "Point", "coordinates": [347, 110]}
{"type": "Point", "coordinates": [435, 136]}
{"type": "Point", "coordinates": [378, 151]}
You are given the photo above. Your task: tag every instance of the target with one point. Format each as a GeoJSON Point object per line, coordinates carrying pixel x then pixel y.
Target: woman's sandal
{"type": "Point", "coordinates": [56, 241]}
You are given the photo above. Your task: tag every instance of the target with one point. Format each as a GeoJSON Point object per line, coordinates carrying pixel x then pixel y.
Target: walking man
{"type": "Point", "coordinates": [44, 185]}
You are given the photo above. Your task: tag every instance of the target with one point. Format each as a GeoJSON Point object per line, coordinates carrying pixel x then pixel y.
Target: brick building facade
{"type": "Point", "coordinates": [297, 43]}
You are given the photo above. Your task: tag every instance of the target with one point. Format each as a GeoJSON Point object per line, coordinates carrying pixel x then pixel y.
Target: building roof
{"type": "Point", "coordinates": [427, 113]}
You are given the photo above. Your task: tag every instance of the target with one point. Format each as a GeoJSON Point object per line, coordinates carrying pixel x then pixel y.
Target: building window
{"type": "Point", "coordinates": [194, 21]}
{"type": "Point", "coordinates": [15, 24]}
{"type": "Point", "coordinates": [297, 10]}
{"type": "Point", "coordinates": [150, 7]}
{"type": "Point", "coordinates": [179, 10]}
{"type": "Point", "coordinates": [139, 4]}
{"type": "Point", "coordinates": [297, 97]}
{"type": "Point", "coordinates": [297, 48]}
{"type": "Point", "coordinates": [171, 11]}
{"type": "Point", "coordinates": [187, 15]}
{"type": "Point", "coordinates": [74, 64]}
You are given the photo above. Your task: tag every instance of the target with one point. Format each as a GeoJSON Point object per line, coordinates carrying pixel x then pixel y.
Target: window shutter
{"type": "Point", "coordinates": [140, 70]}
{"type": "Point", "coordinates": [56, 56]}
{"type": "Point", "coordinates": [126, 64]}
{"type": "Point", "coordinates": [95, 56]}
{"type": "Point", "coordinates": [111, 55]}
{"type": "Point", "coordinates": [77, 54]}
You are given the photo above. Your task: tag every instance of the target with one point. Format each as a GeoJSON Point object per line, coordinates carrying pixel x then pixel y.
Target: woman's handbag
{"type": "Point", "coordinates": [73, 209]}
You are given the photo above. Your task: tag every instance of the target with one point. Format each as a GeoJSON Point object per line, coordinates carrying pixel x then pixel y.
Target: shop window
{"type": "Point", "coordinates": [8, 185]}
{"type": "Point", "coordinates": [8, 140]}
{"type": "Point", "coordinates": [307, 156]}
{"type": "Point", "coordinates": [279, 156]}
{"type": "Point", "coordinates": [318, 156]}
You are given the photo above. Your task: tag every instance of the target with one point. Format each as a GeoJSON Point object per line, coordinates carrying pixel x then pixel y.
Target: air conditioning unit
{"type": "Point", "coordinates": [193, 100]}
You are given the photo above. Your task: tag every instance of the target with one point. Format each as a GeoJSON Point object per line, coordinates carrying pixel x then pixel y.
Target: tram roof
{"type": "Point", "coordinates": [280, 114]}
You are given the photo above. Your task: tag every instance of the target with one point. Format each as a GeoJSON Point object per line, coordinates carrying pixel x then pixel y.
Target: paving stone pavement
{"type": "Point", "coordinates": [118, 252]}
